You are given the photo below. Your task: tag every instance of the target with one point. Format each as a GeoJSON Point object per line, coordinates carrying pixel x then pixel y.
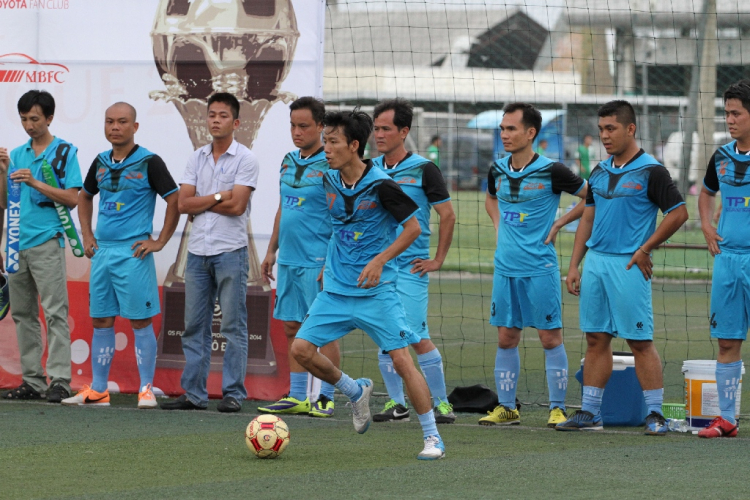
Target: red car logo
{"type": "Point", "coordinates": [17, 68]}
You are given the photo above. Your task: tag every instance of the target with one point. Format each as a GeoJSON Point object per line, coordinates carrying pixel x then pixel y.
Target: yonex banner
{"type": "Point", "coordinates": [165, 57]}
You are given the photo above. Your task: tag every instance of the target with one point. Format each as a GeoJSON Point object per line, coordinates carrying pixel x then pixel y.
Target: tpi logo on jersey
{"type": "Point", "coordinates": [293, 201]}
{"type": "Point", "coordinates": [533, 186]}
{"type": "Point", "coordinates": [367, 205]}
{"type": "Point", "coordinates": [517, 219]}
{"type": "Point", "coordinates": [632, 185]}
{"type": "Point", "coordinates": [112, 205]}
{"type": "Point", "coordinates": [17, 68]}
{"type": "Point", "coordinates": [35, 4]}
{"type": "Point", "coordinates": [347, 235]}
{"type": "Point", "coordinates": [738, 203]}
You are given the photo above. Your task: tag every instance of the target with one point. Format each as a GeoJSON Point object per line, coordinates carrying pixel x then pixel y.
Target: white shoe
{"type": "Point", "coordinates": [361, 408]}
{"type": "Point", "coordinates": [434, 449]}
{"type": "Point", "coordinates": [146, 398]}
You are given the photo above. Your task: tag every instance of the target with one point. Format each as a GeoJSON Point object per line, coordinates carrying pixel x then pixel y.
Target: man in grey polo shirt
{"type": "Point", "coordinates": [215, 193]}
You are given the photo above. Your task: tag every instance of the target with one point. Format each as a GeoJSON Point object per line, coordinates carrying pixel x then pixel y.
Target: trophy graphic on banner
{"type": "Point", "coordinates": [246, 48]}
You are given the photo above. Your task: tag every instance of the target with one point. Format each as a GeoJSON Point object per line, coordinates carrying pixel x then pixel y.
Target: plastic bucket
{"type": "Point", "coordinates": [701, 394]}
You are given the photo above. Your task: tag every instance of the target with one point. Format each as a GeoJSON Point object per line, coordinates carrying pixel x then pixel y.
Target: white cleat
{"type": "Point", "coordinates": [361, 408]}
{"type": "Point", "coordinates": [434, 449]}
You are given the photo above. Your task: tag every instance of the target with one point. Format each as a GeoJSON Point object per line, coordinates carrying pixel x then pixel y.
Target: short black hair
{"type": "Point", "coordinates": [227, 99]}
{"type": "Point", "coordinates": [315, 105]}
{"type": "Point", "coordinates": [356, 125]}
{"type": "Point", "coordinates": [434, 138]}
{"type": "Point", "coordinates": [622, 110]}
{"type": "Point", "coordinates": [739, 90]}
{"type": "Point", "coordinates": [531, 116]}
{"type": "Point", "coordinates": [42, 98]}
{"type": "Point", "coordinates": [403, 111]}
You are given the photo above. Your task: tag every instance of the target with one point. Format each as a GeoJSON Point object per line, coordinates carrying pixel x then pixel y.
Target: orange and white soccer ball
{"type": "Point", "coordinates": [267, 436]}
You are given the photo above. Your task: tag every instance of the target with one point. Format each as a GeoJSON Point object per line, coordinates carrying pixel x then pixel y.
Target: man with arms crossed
{"type": "Point", "coordinates": [127, 179]}
{"type": "Point", "coordinates": [215, 192]}
{"type": "Point", "coordinates": [423, 182]}
{"type": "Point", "coordinates": [41, 271]}
{"type": "Point", "coordinates": [523, 195]}
{"type": "Point", "coordinates": [619, 227]}
{"type": "Point", "coordinates": [359, 290]}
{"type": "Point", "coordinates": [301, 232]}
{"type": "Point", "coordinates": [727, 171]}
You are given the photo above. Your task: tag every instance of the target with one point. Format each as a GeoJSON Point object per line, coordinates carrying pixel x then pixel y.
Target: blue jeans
{"type": "Point", "coordinates": [206, 277]}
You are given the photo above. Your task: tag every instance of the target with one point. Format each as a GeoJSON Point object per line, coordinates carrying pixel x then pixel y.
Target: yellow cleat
{"type": "Point", "coordinates": [501, 416]}
{"type": "Point", "coordinates": [556, 416]}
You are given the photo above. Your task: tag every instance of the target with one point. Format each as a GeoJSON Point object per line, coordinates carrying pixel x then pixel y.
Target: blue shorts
{"type": "Point", "coordinates": [296, 290]}
{"type": "Point", "coordinates": [730, 296]}
{"type": "Point", "coordinates": [530, 301]}
{"type": "Point", "coordinates": [615, 300]}
{"type": "Point", "coordinates": [122, 285]}
{"type": "Point", "coordinates": [414, 293]}
{"type": "Point", "coordinates": [380, 316]}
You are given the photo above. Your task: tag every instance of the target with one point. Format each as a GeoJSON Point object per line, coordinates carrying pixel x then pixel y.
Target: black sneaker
{"type": "Point", "coordinates": [23, 391]}
{"type": "Point", "coordinates": [181, 403]}
{"type": "Point", "coordinates": [57, 393]}
{"type": "Point", "coordinates": [229, 405]}
{"type": "Point", "coordinates": [393, 412]}
{"type": "Point", "coordinates": [656, 425]}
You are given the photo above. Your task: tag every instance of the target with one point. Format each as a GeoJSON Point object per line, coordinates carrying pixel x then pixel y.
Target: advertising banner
{"type": "Point", "coordinates": [165, 57]}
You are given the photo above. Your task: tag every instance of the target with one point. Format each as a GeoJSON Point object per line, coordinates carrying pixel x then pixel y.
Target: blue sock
{"type": "Point", "coordinates": [556, 362]}
{"type": "Point", "coordinates": [392, 380]}
{"type": "Point", "coordinates": [145, 354]}
{"type": "Point", "coordinates": [654, 398]}
{"type": "Point", "coordinates": [429, 427]}
{"type": "Point", "coordinates": [298, 385]}
{"type": "Point", "coordinates": [728, 376]}
{"type": "Point", "coordinates": [592, 400]}
{"type": "Point", "coordinates": [431, 364]}
{"type": "Point", "coordinates": [507, 369]}
{"type": "Point", "coordinates": [327, 390]}
{"type": "Point", "coordinates": [349, 387]}
{"type": "Point", "coordinates": [102, 351]}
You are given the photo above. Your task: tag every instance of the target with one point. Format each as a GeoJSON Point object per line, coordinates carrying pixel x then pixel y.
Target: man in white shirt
{"type": "Point", "coordinates": [215, 193]}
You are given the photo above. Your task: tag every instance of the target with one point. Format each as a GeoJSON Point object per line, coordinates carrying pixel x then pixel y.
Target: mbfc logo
{"type": "Point", "coordinates": [21, 68]}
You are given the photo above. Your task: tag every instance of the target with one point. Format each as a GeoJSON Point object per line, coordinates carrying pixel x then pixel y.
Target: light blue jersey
{"type": "Point", "coordinates": [364, 219]}
{"type": "Point", "coordinates": [127, 193]}
{"type": "Point", "coordinates": [422, 181]}
{"type": "Point", "coordinates": [528, 202]}
{"type": "Point", "coordinates": [39, 219]}
{"type": "Point", "coordinates": [305, 225]}
{"type": "Point", "coordinates": [727, 172]}
{"type": "Point", "coordinates": [626, 200]}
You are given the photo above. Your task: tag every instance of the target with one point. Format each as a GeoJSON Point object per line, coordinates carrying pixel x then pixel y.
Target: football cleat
{"type": "Point", "coordinates": [501, 416]}
{"type": "Point", "coordinates": [581, 421]}
{"type": "Point", "coordinates": [88, 397]}
{"type": "Point", "coordinates": [393, 412]}
{"type": "Point", "coordinates": [323, 407]}
{"type": "Point", "coordinates": [556, 416]}
{"type": "Point", "coordinates": [434, 449]}
{"type": "Point", "coordinates": [656, 425]}
{"type": "Point", "coordinates": [146, 398]}
{"type": "Point", "coordinates": [287, 405]}
{"type": "Point", "coordinates": [361, 407]}
{"type": "Point", "coordinates": [444, 413]}
{"type": "Point", "coordinates": [719, 427]}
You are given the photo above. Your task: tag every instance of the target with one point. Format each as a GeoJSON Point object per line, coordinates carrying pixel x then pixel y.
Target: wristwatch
{"type": "Point", "coordinates": [217, 197]}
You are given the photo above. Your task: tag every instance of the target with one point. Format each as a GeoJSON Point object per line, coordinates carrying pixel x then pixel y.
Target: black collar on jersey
{"type": "Point", "coordinates": [389, 167]}
{"type": "Point", "coordinates": [320, 150]}
{"type": "Point", "coordinates": [115, 162]}
{"type": "Point", "coordinates": [638, 155]}
{"type": "Point", "coordinates": [533, 159]}
{"type": "Point", "coordinates": [368, 166]}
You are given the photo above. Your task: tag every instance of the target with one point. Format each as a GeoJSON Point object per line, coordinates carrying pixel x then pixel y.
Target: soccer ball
{"type": "Point", "coordinates": [267, 436]}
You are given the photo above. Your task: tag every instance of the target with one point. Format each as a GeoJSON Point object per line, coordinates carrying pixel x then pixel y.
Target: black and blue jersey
{"type": "Point", "coordinates": [627, 199]}
{"type": "Point", "coordinates": [727, 171]}
{"type": "Point", "coordinates": [364, 218]}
